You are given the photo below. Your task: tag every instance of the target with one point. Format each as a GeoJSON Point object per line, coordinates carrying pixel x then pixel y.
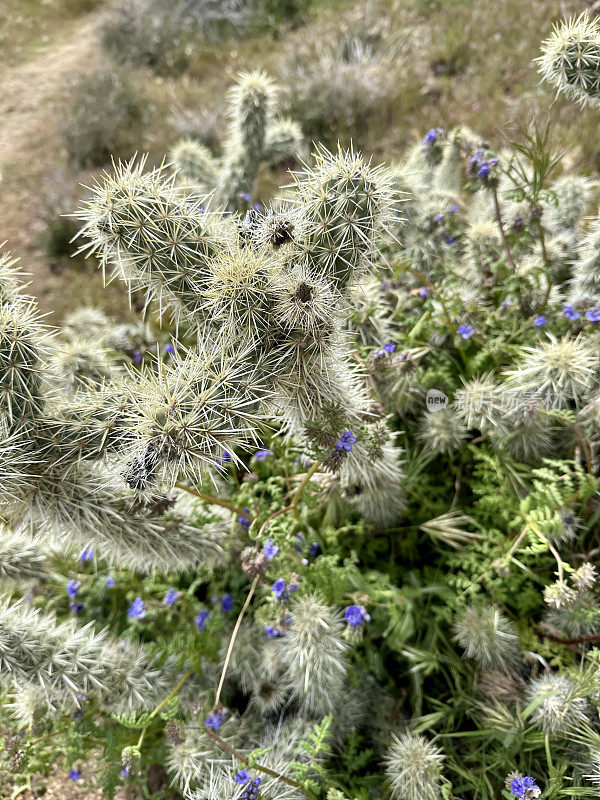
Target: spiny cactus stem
{"type": "Point", "coordinates": [509, 256]}
{"type": "Point", "coordinates": [216, 501]}
{"type": "Point", "coordinates": [259, 767]}
{"type": "Point", "coordinates": [233, 637]}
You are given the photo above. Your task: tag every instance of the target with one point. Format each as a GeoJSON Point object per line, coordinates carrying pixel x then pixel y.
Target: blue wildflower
{"type": "Point", "coordinates": [432, 135]}
{"type": "Point", "coordinates": [137, 356]}
{"type": "Point", "coordinates": [356, 615]}
{"type": "Point", "coordinates": [171, 596]}
{"type": "Point", "coordinates": [424, 292]}
{"type": "Point", "coordinates": [125, 772]}
{"type": "Point", "coordinates": [453, 209]}
{"type": "Point", "coordinates": [314, 549]}
{"type": "Point", "coordinates": [76, 608]}
{"type": "Point", "coordinates": [279, 590]}
{"type": "Point", "coordinates": [272, 632]}
{"type": "Point", "coordinates": [260, 455]}
{"type": "Point", "coordinates": [137, 609]}
{"type": "Point", "coordinates": [389, 348]}
{"type": "Point", "coordinates": [450, 239]}
{"type": "Point", "coordinates": [243, 520]}
{"type": "Point", "coordinates": [73, 588]}
{"type": "Point", "coordinates": [110, 581]}
{"type": "Point", "coordinates": [465, 331]}
{"type": "Point", "coordinates": [169, 349]}
{"type": "Point", "coordinates": [570, 313]}
{"type": "Point", "coordinates": [215, 719]}
{"type": "Point", "coordinates": [540, 321]}
{"type": "Point", "coordinates": [439, 217]}
{"type": "Point", "coordinates": [593, 314]}
{"type": "Point", "coordinates": [243, 776]}
{"type": "Point", "coordinates": [299, 542]}
{"type": "Point", "coordinates": [270, 549]}
{"type": "Point", "coordinates": [226, 603]}
{"type": "Point", "coordinates": [523, 787]}
{"type": "Point", "coordinates": [201, 619]}
{"type": "Point", "coordinates": [74, 774]}
{"type": "Point", "coordinates": [87, 554]}
{"type": "Point", "coordinates": [346, 440]}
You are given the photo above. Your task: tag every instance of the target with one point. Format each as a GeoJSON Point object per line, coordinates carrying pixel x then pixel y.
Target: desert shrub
{"type": "Point", "coordinates": [336, 83]}
{"type": "Point", "coordinates": [160, 34]}
{"type": "Point", "coordinates": [103, 118]}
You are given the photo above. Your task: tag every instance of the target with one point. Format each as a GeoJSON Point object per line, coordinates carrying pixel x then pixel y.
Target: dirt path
{"type": "Point", "coordinates": [31, 97]}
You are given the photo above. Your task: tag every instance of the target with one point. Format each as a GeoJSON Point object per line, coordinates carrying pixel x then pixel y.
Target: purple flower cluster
{"type": "Point", "coordinates": [524, 787]}
{"type": "Point", "coordinates": [465, 331]}
{"type": "Point", "coordinates": [252, 784]}
{"type": "Point", "coordinates": [137, 609]}
{"type": "Point", "coordinates": [356, 615]}
{"type": "Point", "coordinates": [270, 549]}
{"type": "Point", "coordinates": [201, 619]}
{"type": "Point", "coordinates": [215, 719]}
{"type": "Point", "coordinates": [280, 590]}
{"type": "Point", "coordinates": [431, 138]}
{"type": "Point", "coordinates": [261, 455]}
{"type": "Point", "coordinates": [481, 167]}
{"type": "Point", "coordinates": [171, 597]}
{"type": "Point", "coordinates": [345, 442]}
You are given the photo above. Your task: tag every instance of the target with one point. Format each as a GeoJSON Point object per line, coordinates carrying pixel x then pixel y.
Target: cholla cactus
{"type": "Point", "coordinates": [413, 767]}
{"type": "Point", "coordinates": [255, 137]}
{"type": "Point", "coordinates": [268, 305]}
{"type": "Point", "coordinates": [570, 59]}
{"type": "Point", "coordinates": [488, 637]}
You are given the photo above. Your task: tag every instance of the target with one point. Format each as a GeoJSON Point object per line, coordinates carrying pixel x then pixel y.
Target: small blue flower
{"type": "Point", "coordinates": [270, 549]}
{"type": "Point", "coordinates": [76, 608]}
{"type": "Point", "coordinates": [314, 549]}
{"type": "Point", "coordinates": [439, 217]}
{"type": "Point", "coordinates": [74, 774]}
{"type": "Point", "coordinates": [137, 609]}
{"type": "Point", "coordinates": [432, 136]}
{"type": "Point", "coordinates": [570, 313]}
{"type": "Point", "coordinates": [243, 520]}
{"type": "Point", "coordinates": [593, 314]}
{"type": "Point", "coordinates": [506, 303]}
{"type": "Point", "coordinates": [261, 455]}
{"type": "Point", "coordinates": [278, 589]}
{"type": "Point", "coordinates": [272, 632]}
{"type": "Point", "coordinates": [73, 588]}
{"type": "Point", "coordinates": [215, 719]}
{"type": "Point", "coordinates": [110, 581]}
{"type": "Point", "coordinates": [125, 772]}
{"type": "Point", "coordinates": [137, 356]}
{"type": "Point", "coordinates": [465, 331]}
{"type": "Point", "coordinates": [87, 554]}
{"type": "Point", "coordinates": [171, 596]}
{"type": "Point", "coordinates": [424, 292]}
{"type": "Point", "coordinates": [356, 615]}
{"type": "Point", "coordinates": [522, 787]}
{"type": "Point", "coordinates": [243, 776]}
{"type": "Point", "coordinates": [244, 196]}
{"type": "Point", "coordinates": [450, 239]}
{"type": "Point", "coordinates": [484, 171]}
{"type": "Point", "coordinates": [201, 619]}
{"type": "Point", "coordinates": [453, 209]}
{"type": "Point", "coordinates": [345, 442]}
{"type": "Point", "coordinates": [226, 603]}
{"type": "Point", "coordinates": [298, 544]}
{"type": "Point", "coordinates": [540, 321]}
{"type": "Point", "coordinates": [389, 348]}
{"type": "Point", "coordinates": [169, 349]}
